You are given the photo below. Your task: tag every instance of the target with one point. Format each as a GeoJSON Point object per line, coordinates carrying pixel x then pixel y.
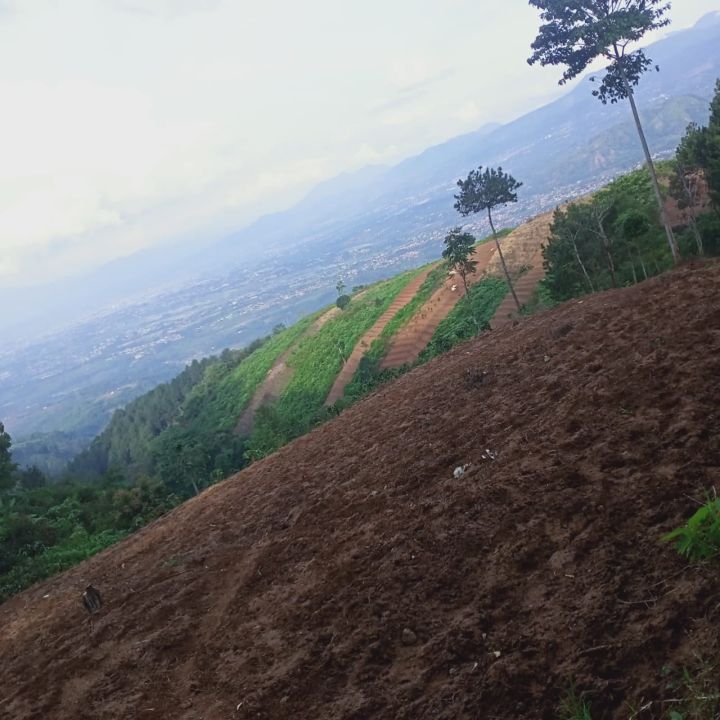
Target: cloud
{"type": "Point", "coordinates": [165, 8]}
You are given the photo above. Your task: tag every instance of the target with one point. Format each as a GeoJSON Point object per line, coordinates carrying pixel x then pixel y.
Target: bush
{"type": "Point", "coordinates": [699, 538]}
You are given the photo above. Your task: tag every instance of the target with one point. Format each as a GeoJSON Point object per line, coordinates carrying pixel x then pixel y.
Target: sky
{"type": "Point", "coordinates": [127, 124]}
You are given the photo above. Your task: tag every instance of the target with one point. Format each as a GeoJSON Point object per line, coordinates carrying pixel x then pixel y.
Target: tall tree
{"type": "Point", "coordinates": [459, 248]}
{"type": "Point", "coordinates": [484, 191]}
{"type": "Point", "coordinates": [7, 467]}
{"type": "Point", "coordinates": [575, 33]}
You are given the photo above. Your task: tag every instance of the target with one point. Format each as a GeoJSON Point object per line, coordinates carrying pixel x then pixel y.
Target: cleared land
{"type": "Point", "coordinates": [351, 576]}
{"type": "Point", "coordinates": [407, 345]}
{"type": "Point", "coordinates": [351, 365]}
{"type": "Point", "coordinates": [522, 250]}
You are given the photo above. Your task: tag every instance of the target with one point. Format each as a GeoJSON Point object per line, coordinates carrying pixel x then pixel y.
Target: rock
{"type": "Point", "coordinates": [408, 637]}
{"type": "Point", "coordinates": [459, 471]}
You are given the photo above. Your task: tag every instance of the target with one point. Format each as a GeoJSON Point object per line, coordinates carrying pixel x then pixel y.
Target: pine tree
{"type": "Point", "coordinates": [484, 191]}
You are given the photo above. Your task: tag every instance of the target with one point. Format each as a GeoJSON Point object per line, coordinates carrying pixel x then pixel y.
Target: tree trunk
{"type": "Point", "coordinates": [464, 279]}
{"type": "Point", "coordinates": [582, 266]}
{"type": "Point", "coordinates": [648, 160]}
{"type": "Point", "coordinates": [606, 246]}
{"type": "Point", "coordinates": [502, 262]}
{"type": "Point", "coordinates": [696, 234]}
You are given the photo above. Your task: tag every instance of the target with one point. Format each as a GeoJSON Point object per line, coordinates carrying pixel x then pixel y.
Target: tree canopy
{"type": "Point", "coordinates": [574, 34]}
{"type": "Point", "coordinates": [459, 247]}
{"type": "Point", "coordinates": [7, 466]}
{"type": "Point", "coordinates": [484, 190]}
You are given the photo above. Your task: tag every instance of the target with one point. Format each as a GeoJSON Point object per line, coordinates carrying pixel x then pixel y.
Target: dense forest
{"type": "Point", "coordinates": [169, 444]}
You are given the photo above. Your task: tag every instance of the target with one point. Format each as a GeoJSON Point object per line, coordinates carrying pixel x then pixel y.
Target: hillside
{"type": "Point", "coordinates": [350, 575]}
{"type": "Point", "coordinates": [140, 320]}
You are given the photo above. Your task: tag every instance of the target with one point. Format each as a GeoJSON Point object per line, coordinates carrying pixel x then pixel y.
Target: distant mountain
{"type": "Point", "coordinates": [554, 150]}
{"type": "Point", "coordinates": [360, 226]}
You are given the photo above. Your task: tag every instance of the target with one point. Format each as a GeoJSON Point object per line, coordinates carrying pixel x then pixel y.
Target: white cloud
{"type": "Point", "coordinates": [126, 123]}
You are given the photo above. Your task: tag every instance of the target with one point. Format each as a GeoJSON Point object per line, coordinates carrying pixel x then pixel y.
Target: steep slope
{"type": "Point", "coordinates": [278, 377]}
{"type": "Point", "coordinates": [523, 251]}
{"type": "Point", "coordinates": [352, 363]}
{"type": "Point", "coordinates": [407, 345]}
{"type": "Point", "coordinates": [351, 576]}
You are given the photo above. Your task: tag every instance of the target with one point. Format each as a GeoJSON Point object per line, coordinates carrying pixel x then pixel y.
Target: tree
{"type": "Point", "coordinates": [686, 189]}
{"type": "Point", "coordinates": [7, 467]}
{"type": "Point", "coordinates": [484, 191]}
{"type": "Point", "coordinates": [459, 247]}
{"type": "Point", "coordinates": [343, 301]}
{"type": "Point", "coordinates": [575, 33]}
{"type": "Point", "coordinates": [340, 287]}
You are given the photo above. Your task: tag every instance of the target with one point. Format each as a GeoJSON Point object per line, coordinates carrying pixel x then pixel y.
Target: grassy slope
{"type": "Point", "coordinates": [316, 363]}
{"type": "Point", "coordinates": [217, 402]}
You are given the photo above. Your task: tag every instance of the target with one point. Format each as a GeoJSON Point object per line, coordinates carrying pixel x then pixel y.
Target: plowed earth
{"type": "Point", "coordinates": [411, 339]}
{"type": "Point", "coordinates": [351, 576]}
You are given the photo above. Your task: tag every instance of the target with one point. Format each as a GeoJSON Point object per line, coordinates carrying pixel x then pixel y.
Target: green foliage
{"type": "Point", "coordinates": [343, 301]}
{"type": "Point", "coordinates": [46, 529]}
{"type": "Point", "coordinates": [616, 238]}
{"type": "Point", "coordinates": [316, 362]}
{"type": "Point", "coordinates": [575, 34]}
{"type": "Point", "coordinates": [698, 688]}
{"type": "Point", "coordinates": [574, 706]}
{"type": "Point", "coordinates": [459, 248]}
{"type": "Point", "coordinates": [7, 466]}
{"type": "Point", "coordinates": [484, 191]}
{"type": "Point", "coordinates": [699, 150]}
{"type": "Point", "coordinates": [368, 375]}
{"type": "Point", "coordinates": [466, 320]}
{"type": "Point", "coordinates": [699, 538]}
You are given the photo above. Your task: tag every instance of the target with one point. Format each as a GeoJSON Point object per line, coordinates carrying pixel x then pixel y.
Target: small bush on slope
{"type": "Point", "coordinates": [699, 538]}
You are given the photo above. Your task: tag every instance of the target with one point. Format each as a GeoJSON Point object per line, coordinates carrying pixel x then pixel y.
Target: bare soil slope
{"type": "Point", "coordinates": [412, 339]}
{"type": "Point", "coordinates": [523, 251]}
{"type": "Point", "coordinates": [351, 576]}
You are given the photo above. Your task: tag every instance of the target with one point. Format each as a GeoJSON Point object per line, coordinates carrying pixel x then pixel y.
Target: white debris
{"type": "Point", "coordinates": [460, 470]}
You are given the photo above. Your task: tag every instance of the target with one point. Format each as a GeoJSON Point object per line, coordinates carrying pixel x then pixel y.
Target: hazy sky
{"type": "Point", "coordinates": [126, 123]}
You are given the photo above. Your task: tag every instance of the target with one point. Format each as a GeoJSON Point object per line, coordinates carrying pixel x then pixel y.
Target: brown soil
{"type": "Point", "coordinates": [353, 362]}
{"type": "Point", "coordinates": [278, 378]}
{"type": "Point", "coordinates": [412, 339]}
{"type": "Point", "coordinates": [351, 576]}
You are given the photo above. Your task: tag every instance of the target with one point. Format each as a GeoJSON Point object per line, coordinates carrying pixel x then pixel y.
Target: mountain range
{"type": "Point", "coordinates": [74, 352]}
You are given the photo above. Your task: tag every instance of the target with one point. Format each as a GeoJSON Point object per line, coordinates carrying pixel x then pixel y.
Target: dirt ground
{"type": "Point", "coordinates": [350, 575]}
{"type": "Point", "coordinates": [412, 338]}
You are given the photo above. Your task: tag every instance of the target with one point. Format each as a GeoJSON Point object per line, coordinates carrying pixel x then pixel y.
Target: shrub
{"type": "Point", "coordinates": [699, 538]}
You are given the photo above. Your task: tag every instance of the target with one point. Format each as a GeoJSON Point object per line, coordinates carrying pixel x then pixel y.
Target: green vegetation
{"type": "Point", "coordinates": [696, 691]}
{"type": "Point", "coordinates": [574, 706]}
{"type": "Point", "coordinates": [459, 248]}
{"type": "Point", "coordinates": [47, 529]}
{"type": "Point", "coordinates": [575, 35]}
{"type": "Point", "coordinates": [483, 192]}
{"type": "Point", "coordinates": [699, 538]}
{"type": "Point", "coordinates": [316, 363]}
{"type": "Point", "coordinates": [467, 319]}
